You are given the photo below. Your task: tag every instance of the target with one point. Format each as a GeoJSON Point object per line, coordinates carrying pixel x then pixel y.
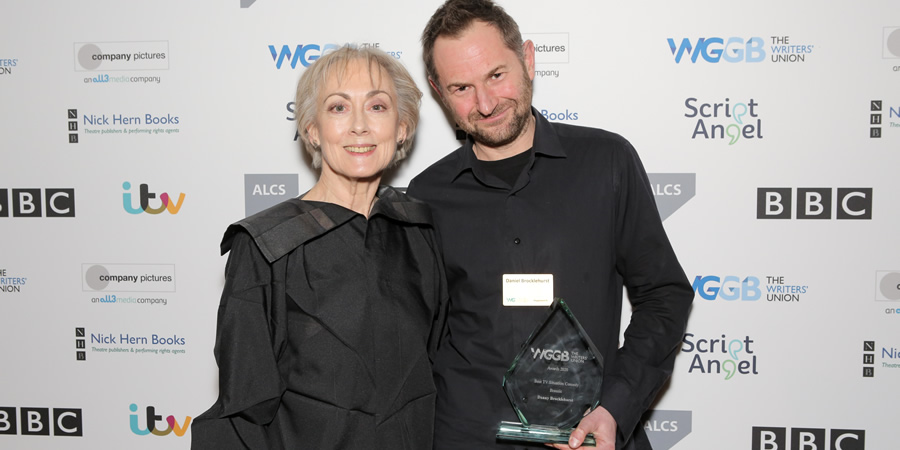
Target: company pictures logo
{"type": "Point", "coordinates": [814, 203]}
{"type": "Point", "coordinates": [730, 288]}
{"type": "Point", "coordinates": [776, 438]}
{"type": "Point", "coordinates": [739, 50]}
{"type": "Point", "coordinates": [10, 284]}
{"type": "Point", "coordinates": [721, 356]}
{"type": "Point", "coordinates": [128, 277]}
{"type": "Point", "coordinates": [887, 288]}
{"type": "Point", "coordinates": [144, 55]}
{"type": "Point", "coordinates": [121, 56]}
{"type": "Point", "coordinates": [151, 420]}
{"type": "Point", "coordinates": [40, 421]}
{"type": "Point", "coordinates": [724, 120]}
{"type": "Point", "coordinates": [166, 203]}
{"type": "Point", "coordinates": [37, 202]}
{"type": "Point", "coordinates": [891, 48]}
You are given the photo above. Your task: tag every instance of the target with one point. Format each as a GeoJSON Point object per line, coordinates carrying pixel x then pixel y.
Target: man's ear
{"type": "Point", "coordinates": [436, 88]}
{"type": "Point", "coordinates": [528, 50]}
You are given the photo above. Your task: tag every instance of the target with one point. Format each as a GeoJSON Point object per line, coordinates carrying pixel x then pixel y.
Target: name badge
{"type": "Point", "coordinates": [527, 289]}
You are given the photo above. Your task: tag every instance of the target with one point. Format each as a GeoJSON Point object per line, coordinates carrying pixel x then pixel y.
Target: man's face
{"type": "Point", "coordinates": [484, 84]}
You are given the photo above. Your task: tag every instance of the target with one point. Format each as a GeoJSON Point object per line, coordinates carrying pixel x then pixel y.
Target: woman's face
{"type": "Point", "coordinates": [357, 124]}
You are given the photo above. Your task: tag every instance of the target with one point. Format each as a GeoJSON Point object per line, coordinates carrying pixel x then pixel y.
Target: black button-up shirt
{"type": "Point", "coordinates": [582, 210]}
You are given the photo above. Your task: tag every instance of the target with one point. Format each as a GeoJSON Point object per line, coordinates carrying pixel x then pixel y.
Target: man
{"type": "Point", "coordinates": [525, 196]}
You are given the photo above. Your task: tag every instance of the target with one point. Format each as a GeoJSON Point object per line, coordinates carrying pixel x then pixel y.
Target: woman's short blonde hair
{"type": "Point", "coordinates": [334, 64]}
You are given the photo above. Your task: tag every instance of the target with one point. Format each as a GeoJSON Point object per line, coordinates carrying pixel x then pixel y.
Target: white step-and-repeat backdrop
{"type": "Point", "coordinates": [133, 133]}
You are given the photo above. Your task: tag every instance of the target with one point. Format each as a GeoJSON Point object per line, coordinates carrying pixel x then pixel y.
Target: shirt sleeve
{"type": "Point", "coordinates": [659, 293]}
{"type": "Point", "coordinates": [250, 386]}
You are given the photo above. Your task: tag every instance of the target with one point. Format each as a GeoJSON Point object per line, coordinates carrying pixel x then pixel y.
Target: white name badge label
{"type": "Point", "coordinates": [527, 289]}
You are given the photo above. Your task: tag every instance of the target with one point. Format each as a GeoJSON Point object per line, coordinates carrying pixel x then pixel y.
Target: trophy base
{"type": "Point", "coordinates": [514, 431]}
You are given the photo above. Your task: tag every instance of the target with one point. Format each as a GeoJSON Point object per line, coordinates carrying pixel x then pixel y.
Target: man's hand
{"type": "Point", "coordinates": [599, 422]}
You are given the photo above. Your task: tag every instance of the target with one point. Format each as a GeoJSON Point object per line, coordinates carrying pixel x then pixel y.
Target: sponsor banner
{"type": "Point", "coordinates": [887, 286]}
{"type": "Point", "coordinates": [264, 190]}
{"type": "Point", "coordinates": [41, 421]}
{"type": "Point", "coordinates": [775, 438]}
{"type": "Point", "coordinates": [128, 277]}
{"type": "Point", "coordinates": [11, 283]}
{"type": "Point", "coordinates": [8, 65]}
{"type": "Point", "coordinates": [672, 191]}
{"type": "Point", "coordinates": [665, 429]}
{"type": "Point", "coordinates": [113, 56]}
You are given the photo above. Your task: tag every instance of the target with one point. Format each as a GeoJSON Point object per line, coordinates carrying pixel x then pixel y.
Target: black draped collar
{"type": "Point", "coordinates": [282, 228]}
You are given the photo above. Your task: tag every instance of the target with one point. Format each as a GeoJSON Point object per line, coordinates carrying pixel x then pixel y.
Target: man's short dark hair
{"type": "Point", "coordinates": [455, 16]}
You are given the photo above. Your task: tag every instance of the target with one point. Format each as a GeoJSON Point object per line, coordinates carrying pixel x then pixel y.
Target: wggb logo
{"type": "Point", "coordinates": [711, 287]}
{"type": "Point", "coordinates": [715, 49]}
{"type": "Point", "coordinates": [304, 54]}
{"type": "Point", "coordinates": [549, 354]}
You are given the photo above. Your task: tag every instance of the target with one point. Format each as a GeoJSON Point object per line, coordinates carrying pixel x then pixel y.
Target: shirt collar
{"type": "Point", "coordinates": [546, 143]}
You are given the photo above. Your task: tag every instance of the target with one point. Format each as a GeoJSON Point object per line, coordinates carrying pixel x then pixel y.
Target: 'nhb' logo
{"type": "Point", "coordinates": [814, 203]}
{"type": "Point", "coordinates": [776, 438]}
{"type": "Point", "coordinates": [715, 49]}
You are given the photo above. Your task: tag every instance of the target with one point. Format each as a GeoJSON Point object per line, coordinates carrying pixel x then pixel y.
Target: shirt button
{"type": "Point", "coordinates": [516, 241]}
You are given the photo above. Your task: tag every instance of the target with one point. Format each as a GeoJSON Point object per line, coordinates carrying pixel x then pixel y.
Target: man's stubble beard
{"type": "Point", "coordinates": [499, 136]}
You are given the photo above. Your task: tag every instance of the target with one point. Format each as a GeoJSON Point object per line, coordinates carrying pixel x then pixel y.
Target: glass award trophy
{"type": "Point", "coordinates": [553, 381]}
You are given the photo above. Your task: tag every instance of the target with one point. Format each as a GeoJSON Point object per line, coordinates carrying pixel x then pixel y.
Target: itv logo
{"type": "Point", "coordinates": [151, 423]}
{"type": "Point", "coordinates": [166, 202]}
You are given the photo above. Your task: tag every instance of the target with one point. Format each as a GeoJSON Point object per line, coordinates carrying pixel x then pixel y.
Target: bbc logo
{"type": "Point", "coordinates": [40, 421]}
{"type": "Point", "coordinates": [776, 438]}
{"type": "Point", "coordinates": [814, 203]}
{"type": "Point", "coordinates": [37, 202]}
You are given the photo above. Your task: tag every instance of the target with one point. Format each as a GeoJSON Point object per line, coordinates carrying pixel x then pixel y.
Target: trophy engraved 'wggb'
{"type": "Point", "coordinates": [553, 381]}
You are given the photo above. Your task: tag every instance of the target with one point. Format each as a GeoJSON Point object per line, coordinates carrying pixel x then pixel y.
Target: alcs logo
{"type": "Point", "coordinates": [305, 54]}
{"type": "Point", "coordinates": [152, 418]}
{"type": "Point", "coordinates": [727, 288]}
{"type": "Point", "coordinates": [733, 50]}
{"type": "Point", "coordinates": [167, 204]}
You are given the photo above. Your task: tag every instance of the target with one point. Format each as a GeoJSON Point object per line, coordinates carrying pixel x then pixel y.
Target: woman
{"type": "Point", "coordinates": [333, 301]}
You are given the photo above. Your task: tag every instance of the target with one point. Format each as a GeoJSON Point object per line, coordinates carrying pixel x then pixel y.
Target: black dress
{"type": "Point", "coordinates": [326, 327]}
